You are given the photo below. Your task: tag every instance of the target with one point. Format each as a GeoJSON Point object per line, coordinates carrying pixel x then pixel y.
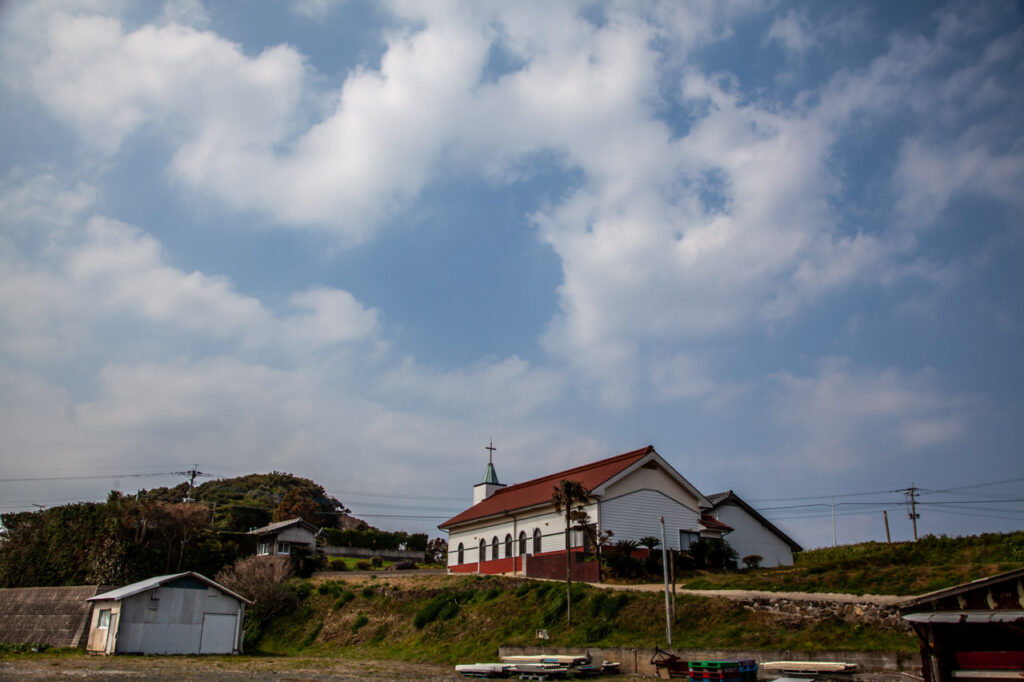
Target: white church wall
{"type": "Point", "coordinates": [636, 514]}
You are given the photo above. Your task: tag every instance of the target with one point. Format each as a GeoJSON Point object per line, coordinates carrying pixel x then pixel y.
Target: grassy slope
{"type": "Point", "coordinates": [904, 568]}
{"type": "Point", "coordinates": [496, 611]}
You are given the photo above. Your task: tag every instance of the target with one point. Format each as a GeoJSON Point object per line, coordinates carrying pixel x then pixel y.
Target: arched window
{"type": "Point", "coordinates": [508, 546]}
{"type": "Point", "coordinates": [536, 541]}
{"type": "Point", "coordinates": [461, 554]}
{"type": "Point", "coordinates": [522, 542]}
{"type": "Point", "coordinates": [494, 548]}
{"type": "Point", "coordinates": [483, 550]}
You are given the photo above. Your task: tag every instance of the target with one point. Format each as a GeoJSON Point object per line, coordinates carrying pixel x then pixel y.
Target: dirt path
{"type": "Point", "coordinates": [879, 599]}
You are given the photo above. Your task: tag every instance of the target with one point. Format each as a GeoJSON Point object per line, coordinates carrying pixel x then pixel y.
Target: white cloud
{"type": "Point", "coordinates": [847, 420]}
{"type": "Point", "coordinates": [509, 387]}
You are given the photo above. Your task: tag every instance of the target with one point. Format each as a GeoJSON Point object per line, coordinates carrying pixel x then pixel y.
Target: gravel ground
{"type": "Point", "coordinates": [221, 669]}
{"type": "Point", "coordinates": [234, 669]}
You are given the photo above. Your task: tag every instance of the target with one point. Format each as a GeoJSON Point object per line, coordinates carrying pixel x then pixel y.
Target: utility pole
{"type": "Point", "coordinates": [914, 516]}
{"type": "Point", "coordinates": [885, 515]}
{"type": "Point", "coordinates": [191, 473]}
{"type": "Point", "coordinates": [834, 539]}
{"type": "Point", "coordinates": [664, 566]}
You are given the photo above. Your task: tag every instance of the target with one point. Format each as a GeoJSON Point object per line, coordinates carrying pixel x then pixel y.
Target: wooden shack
{"type": "Point", "coordinates": [182, 613]}
{"type": "Point", "coordinates": [973, 631]}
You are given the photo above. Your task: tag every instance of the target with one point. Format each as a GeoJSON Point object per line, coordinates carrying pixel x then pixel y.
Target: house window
{"type": "Point", "coordinates": [522, 542]}
{"type": "Point", "coordinates": [263, 549]}
{"type": "Point", "coordinates": [494, 547]}
{"type": "Point", "coordinates": [687, 538]}
{"type": "Point", "coordinates": [103, 620]}
{"type": "Point", "coordinates": [536, 541]}
{"type": "Point", "coordinates": [284, 548]}
{"type": "Point", "coordinates": [483, 550]}
{"type": "Point", "coordinates": [461, 554]}
{"type": "Point", "coordinates": [508, 546]}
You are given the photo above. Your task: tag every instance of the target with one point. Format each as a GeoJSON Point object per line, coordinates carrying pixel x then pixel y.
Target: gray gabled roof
{"type": "Point", "coordinates": [281, 525]}
{"type": "Point", "coordinates": [152, 583]}
{"type": "Point", "coordinates": [718, 499]}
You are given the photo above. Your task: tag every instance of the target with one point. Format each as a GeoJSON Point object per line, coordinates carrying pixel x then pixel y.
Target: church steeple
{"type": "Point", "coordinates": [486, 488]}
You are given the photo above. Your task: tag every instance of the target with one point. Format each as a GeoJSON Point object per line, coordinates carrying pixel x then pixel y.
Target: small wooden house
{"type": "Point", "coordinates": [183, 613]}
{"type": "Point", "coordinates": [278, 539]}
{"type": "Point", "coordinates": [973, 631]}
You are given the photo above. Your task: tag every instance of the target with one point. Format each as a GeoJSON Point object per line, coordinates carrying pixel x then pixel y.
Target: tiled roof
{"type": "Point", "coordinates": [539, 490]}
{"type": "Point", "coordinates": [711, 523]}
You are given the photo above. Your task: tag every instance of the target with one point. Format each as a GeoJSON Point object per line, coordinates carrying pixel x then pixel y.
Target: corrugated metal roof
{"type": "Point", "coordinates": [539, 490]}
{"type": "Point", "coordinates": [152, 583]}
{"type": "Point", "coordinates": [280, 525]}
{"type": "Point", "coordinates": [967, 616]}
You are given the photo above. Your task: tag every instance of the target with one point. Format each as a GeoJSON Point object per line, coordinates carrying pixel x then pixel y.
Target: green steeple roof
{"type": "Point", "coordinates": [490, 475]}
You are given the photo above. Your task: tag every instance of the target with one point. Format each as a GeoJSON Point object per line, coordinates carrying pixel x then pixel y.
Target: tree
{"type": "Point", "coordinates": [298, 503]}
{"type": "Point", "coordinates": [650, 542]}
{"type": "Point", "coordinates": [260, 579]}
{"type": "Point", "coordinates": [437, 550]}
{"type": "Point", "coordinates": [570, 496]}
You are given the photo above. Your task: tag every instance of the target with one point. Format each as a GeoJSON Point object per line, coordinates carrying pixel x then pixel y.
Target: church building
{"type": "Point", "coordinates": [508, 527]}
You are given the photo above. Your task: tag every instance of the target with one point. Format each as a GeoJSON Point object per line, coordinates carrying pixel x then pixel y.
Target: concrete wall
{"type": "Point", "coordinates": [58, 616]}
{"type": "Point", "coordinates": [364, 553]}
{"type": "Point", "coordinates": [637, 661]}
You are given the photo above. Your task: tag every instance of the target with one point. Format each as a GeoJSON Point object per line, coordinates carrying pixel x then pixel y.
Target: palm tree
{"type": "Point", "coordinates": [569, 496]}
{"type": "Point", "coordinates": [650, 542]}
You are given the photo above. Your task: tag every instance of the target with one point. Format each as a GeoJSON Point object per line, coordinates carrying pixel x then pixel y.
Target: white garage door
{"type": "Point", "coordinates": [218, 633]}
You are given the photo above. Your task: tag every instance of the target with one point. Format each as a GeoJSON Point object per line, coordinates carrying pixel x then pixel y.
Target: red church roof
{"type": "Point", "coordinates": [539, 490]}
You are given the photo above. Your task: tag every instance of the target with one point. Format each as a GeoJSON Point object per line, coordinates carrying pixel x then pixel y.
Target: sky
{"type": "Point", "coordinates": [357, 241]}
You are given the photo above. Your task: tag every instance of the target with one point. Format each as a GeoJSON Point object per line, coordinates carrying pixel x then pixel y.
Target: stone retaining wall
{"type": "Point", "coordinates": [818, 610]}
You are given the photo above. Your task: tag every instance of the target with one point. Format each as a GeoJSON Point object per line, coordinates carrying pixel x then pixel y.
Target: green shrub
{"type": "Point", "coordinates": [311, 637]}
{"type": "Point", "coordinates": [376, 561]}
{"type": "Point", "coordinates": [338, 565]}
{"type": "Point", "coordinates": [404, 565]}
{"type": "Point", "coordinates": [302, 589]}
{"type": "Point", "coordinates": [361, 620]}
{"type": "Point", "coordinates": [595, 632]}
{"type": "Point", "coordinates": [363, 565]}
{"type": "Point", "coordinates": [368, 593]}
{"type": "Point", "coordinates": [343, 598]}
{"type": "Point", "coordinates": [441, 607]}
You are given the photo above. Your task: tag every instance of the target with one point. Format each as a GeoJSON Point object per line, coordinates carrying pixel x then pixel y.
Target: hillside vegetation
{"type": "Point", "coordinates": [453, 619]}
{"type": "Point", "coordinates": [901, 568]}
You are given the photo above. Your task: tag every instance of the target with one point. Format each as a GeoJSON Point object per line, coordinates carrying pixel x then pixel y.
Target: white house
{"type": "Point", "coordinates": [278, 539]}
{"type": "Point", "coordinates": [183, 613]}
{"type": "Point", "coordinates": [752, 533]}
{"type": "Point", "coordinates": [508, 527]}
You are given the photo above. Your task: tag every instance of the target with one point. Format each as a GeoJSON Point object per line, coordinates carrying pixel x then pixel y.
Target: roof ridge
{"type": "Point", "coordinates": [561, 474]}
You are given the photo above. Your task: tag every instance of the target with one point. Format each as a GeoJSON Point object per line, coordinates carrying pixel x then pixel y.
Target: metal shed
{"type": "Point", "coordinates": [182, 613]}
{"type": "Point", "coordinates": [974, 631]}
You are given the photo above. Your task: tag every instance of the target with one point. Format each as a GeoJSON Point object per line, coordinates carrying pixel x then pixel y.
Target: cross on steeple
{"type": "Point", "coordinates": [490, 455]}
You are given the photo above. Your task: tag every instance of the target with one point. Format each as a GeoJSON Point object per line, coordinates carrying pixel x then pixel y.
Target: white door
{"type": "Point", "coordinates": [218, 633]}
{"type": "Point", "coordinates": [112, 635]}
